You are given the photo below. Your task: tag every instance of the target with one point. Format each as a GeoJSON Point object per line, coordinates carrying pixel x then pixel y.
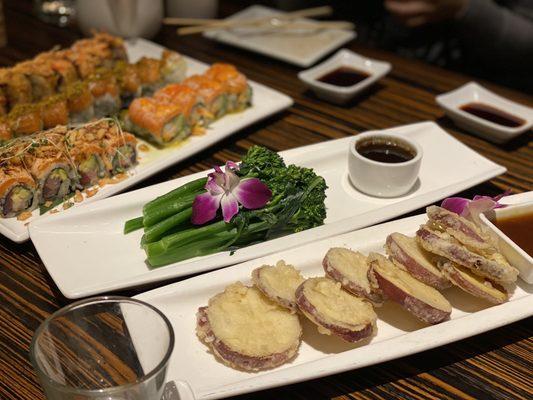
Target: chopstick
{"type": "Point", "coordinates": [212, 24]}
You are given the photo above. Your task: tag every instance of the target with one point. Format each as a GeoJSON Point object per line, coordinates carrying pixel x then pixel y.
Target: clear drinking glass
{"type": "Point", "coordinates": [112, 348]}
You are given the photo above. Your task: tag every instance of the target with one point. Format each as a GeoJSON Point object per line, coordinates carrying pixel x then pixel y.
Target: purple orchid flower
{"type": "Point", "coordinates": [471, 209]}
{"type": "Point", "coordinates": [225, 189]}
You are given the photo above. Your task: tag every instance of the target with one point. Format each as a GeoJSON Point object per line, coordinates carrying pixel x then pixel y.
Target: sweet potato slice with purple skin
{"type": "Point", "coordinates": [350, 269]}
{"type": "Point", "coordinates": [248, 331]}
{"type": "Point", "coordinates": [335, 311]}
{"type": "Point", "coordinates": [407, 254]}
{"type": "Point", "coordinates": [473, 284]}
{"type": "Point", "coordinates": [442, 245]}
{"type": "Point", "coordinates": [421, 300]}
{"type": "Point", "coordinates": [278, 283]}
{"type": "Point", "coordinates": [463, 230]}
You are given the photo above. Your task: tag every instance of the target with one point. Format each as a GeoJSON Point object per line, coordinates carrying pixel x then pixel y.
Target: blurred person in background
{"type": "Point", "coordinates": [490, 39]}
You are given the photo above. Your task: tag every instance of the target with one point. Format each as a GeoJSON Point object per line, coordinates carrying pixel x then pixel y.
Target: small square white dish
{"type": "Point", "coordinates": [299, 47]}
{"type": "Point", "coordinates": [343, 58]}
{"type": "Point", "coordinates": [514, 253]}
{"type": "Point", "coordinates": [472, 92]}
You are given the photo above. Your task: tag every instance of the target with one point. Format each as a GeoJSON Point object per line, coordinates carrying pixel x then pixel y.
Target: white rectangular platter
{"type": "Point", "coordinates": [398, 333]}
{"type": "Point", "coordinates": [86, 252]}
{"type": "Point", "coordinates": [299, 47]}
{"type": "Point", "coordinates": [266, 102]}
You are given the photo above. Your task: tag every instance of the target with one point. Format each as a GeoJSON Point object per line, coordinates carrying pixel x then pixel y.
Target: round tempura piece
{"type": "Point", "coordinates": [248, 331]}
{"type": "Point", "coordinates": [335, 311]}
{"type": "Point", "coordinates": [278, 283]}
{"type": "Point", "coordinates": [350, 268]}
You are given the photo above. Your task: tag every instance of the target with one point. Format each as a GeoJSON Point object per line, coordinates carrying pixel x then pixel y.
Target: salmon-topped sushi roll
{"type": "Point", "coordinates": [25, 119]}
{"type": "Point", "coordinates": [54, 111]}
{"type": "Point", "coordinates": [120, 146]}
{"type": "Point", "coordinates": [3, 101]}
{"type": "Point", "coordinates": [184, 97]}
{"type": "Point", "coordinates": [235, 85]}
{"type": "Point", "coordinates": [105, 92]}
{"type": "Point", "coordinates": [211, 93]}
{"type": "Point", "coordinates": [65, 71]}
{"type": "Point", "coordinates": [79, 102]}
{"type": "Point", "coordinates": [50, 166]}
{"type": "Point", "coordinates": [115, 45]}
{"type": "Point", "coordinates": [17, 190]}
{"type": "Point", "coordinates": [156, 121]}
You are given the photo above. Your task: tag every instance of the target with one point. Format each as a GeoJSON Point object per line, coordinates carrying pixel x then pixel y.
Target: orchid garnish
{"type": "Point", "coordinates": [471, 209]}
{"type": "Point", "coordinates": [226, 190]}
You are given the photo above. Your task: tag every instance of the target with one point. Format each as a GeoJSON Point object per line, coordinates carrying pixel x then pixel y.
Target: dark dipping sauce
{"type": "Point", "coordinates": [344, 76]}
{"type": "Point", "coordinates": [519, 229]}
{"type": "Point", "coordinates": [384, 150]}
{"type": "Point", "coordinates": [493, 114]}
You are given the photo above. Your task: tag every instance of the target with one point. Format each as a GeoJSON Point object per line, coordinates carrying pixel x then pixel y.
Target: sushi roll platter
{"type": "Point", "coordinates": [84, 123]}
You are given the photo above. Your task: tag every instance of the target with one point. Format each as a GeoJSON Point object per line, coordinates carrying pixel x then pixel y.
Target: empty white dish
{"type": "Point", "coordinates": [343, 58]}
{"type": "Point", "coordinates": [472, 92]}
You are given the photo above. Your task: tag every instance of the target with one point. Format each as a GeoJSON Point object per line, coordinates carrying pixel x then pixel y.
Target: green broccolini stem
{"type": "Point", "coordinates": [188, 188]}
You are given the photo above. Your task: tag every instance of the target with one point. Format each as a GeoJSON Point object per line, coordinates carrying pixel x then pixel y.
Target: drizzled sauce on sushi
{"type": "Point", "coordinates": [344, 76]}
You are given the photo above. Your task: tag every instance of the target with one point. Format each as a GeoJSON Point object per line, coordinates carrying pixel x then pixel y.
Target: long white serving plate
{"type": "Point", "coordinates": [266, 102]}
{"type": "Point", "coordinates": [302, 47]}
{"type": "Point", "coordinates": [86, 252]}
{"type": "Point", "coordinates": [398, 333]}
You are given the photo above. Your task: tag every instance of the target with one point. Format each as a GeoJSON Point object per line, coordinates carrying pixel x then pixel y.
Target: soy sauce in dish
{"type": "Point", "coordinates": [518, 228]}
{"type": "Point", "coordinates": [493, 114]}
{"type": "Point", "coordinates": [344, 76]}
{"type": "Point", "coordinates": [385, 150]}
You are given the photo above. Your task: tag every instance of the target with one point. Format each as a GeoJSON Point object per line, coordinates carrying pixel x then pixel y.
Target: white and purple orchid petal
{"type": "Point", "coordinates": [218, 169]}
{"type": "Point", "coordinates": [204, 208]}
{"type": "Point", "coordinates": [213, 186]}
{"type": "Point", "coordinates": [230, 206]}
{"type": "Point", "coordinates": [455, 204]}
{"type": "Point", "coordinates": [479, 206]}
{"type": "Point", "coordinates": [231, 180]}
{"type": "Point", "coordinates": [252, 193]}
{"type": "Point", "coordinates": [232, 165]}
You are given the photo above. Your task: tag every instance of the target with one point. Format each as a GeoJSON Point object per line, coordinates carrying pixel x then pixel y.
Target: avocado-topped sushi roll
{"type": "Point", "coordinates": [235, 85]}
{"type": "Point", "coordinates": [158, 122]}
{"type": "Point", "coordinates": [80, 102]}
{"type": "Point", "coordinates": [17, 190]}
{"type": "Point", "coordinates": [105, 92]}
{"type": "Point", "coordinates": [54, 111]}
{"type": "Point", "coordinates": [184, 97]}
{"type": "Point", "coordinates": [210, 93]}
{"type": "Point", "coordinates": [25, 119]}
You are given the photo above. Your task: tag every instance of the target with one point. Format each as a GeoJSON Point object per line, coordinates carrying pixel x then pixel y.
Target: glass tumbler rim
{"type": "Point", "coordinates": [64, 310]}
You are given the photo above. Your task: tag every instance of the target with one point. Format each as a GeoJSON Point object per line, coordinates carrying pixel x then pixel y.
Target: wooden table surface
{"type": "Point", "coordinates": [495, 364]}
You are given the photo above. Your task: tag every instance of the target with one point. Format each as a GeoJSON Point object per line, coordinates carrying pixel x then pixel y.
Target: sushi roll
{"type": "Point", "coordinates": [3, 102]}
{"type": "Point", "coordinates": [79, 103]}
{"type": "Point", "coordinates": [211, 94]}
{"type": "Point", "coordinates": [50, 166]}
{"type": "Point", "coordinates": [65, 71]}
{"type": "Point", "coordinates": [158, 122]}
{"type": "Point", "coordinates": [17, 88]}
{"type": "Point", "coordinates": [120, 147]}
{"type": "Point", "coordinates": [173, 67]}
{"type": "Point", "coordinates": [25, 119]}
{"type": "Point", "coordinates": [54, 111]}
{"type": "Point", "coordinates": [128, 81]}
{"type": "Point", "coordinates": [5, 130]}
{"type": "Point", "coordinates": [42, 78]}
{"type": "Point", "coordinates": [105, 92]}
{"type": "Point", "coordinates": [235, 85]}
{"type": "Point", "coordinates": [184, 97]}
{"type": "Point", "coordinates": [149, 73]}
{"type": "Point", "coordinates": [17, 191]}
